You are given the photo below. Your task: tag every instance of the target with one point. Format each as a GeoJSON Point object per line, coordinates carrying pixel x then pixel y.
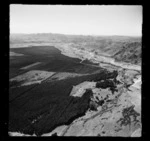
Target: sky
{"type": "Point", "coordinates": [77, 20]}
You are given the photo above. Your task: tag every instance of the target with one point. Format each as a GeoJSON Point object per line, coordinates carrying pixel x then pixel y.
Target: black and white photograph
{"type": "Point", "coordinates": [75, 70]}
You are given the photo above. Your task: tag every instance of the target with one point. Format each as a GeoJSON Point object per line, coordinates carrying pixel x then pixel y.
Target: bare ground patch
{"type": "Point", "coordinates": [32, 77]}
{"type": "Point", "coordinates": [15, 54]}
{"type": "Point", "coordinates": [29, 66]}
{"type": "Point", "coordinates": [63, 75]}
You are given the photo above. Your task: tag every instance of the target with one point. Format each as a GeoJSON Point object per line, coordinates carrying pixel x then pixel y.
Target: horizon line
{"type": "Point", "coordinates": [79, 34]}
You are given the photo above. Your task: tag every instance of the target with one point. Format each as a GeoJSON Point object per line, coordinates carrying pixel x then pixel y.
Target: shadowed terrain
{"type": "Point", "coordinates": [42, 78]}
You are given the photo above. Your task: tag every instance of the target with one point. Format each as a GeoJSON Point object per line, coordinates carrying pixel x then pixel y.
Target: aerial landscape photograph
{"type": "Point", "coordinates": [75, 70]}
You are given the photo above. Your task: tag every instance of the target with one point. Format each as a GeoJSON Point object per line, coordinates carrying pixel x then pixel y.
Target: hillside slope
{"type": "Point", "coordinates": [121, 48]}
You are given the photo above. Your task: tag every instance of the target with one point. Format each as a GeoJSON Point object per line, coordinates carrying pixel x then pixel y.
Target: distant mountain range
{"type": "Point", "coordinates": [122, 48]}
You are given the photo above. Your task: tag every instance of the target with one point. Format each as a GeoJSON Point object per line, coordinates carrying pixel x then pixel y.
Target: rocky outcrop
{"type": "Point", "coordinates": [129, 52]}
{"type": "Point", "coordinates": [110, 114]}
{"type": "Point", "coordinates": [111, 107]}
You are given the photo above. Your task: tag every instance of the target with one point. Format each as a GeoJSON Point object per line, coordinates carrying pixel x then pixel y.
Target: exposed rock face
{"type": "Point", "coordinates": [107, 84]}
{"type": "Point", "coordinates": [80, 89]}
{"type": "Point", "coordinates": [109, 114]}
{"type": "Point", "coordinates": [93, 106]}
{"type": "Point", "coordinates": [129, 52]}
{"type": "Point", "coordinates": [109, 105]}
{"type": "Point", "coordinates": [126, 49]}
